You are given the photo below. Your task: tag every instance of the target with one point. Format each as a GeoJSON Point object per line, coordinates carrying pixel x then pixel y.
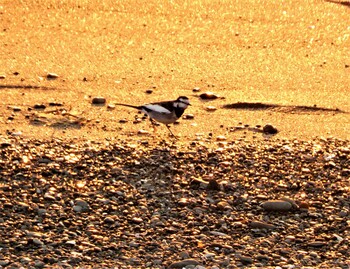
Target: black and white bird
{"type": "Point", "coordinates": [165, 112]}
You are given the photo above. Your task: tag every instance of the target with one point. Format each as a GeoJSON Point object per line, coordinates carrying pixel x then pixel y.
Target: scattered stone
{"type": "Point", "coordinates": [188, 117]}
{"type": "Point", "coordinates": [51, 76]}
{"type": "Point", "coordinates": [110, 106]}
{"type": "Point", "coordinates": [137, 220]}
{"type": "Point", "coordinates": [213, 184]}
{"type": "Point", "coordinates": [38, 242]}
{"type": "Point", "coordinates": [184, 263]}
{"type": "Point", "coordinates": [39, 106]}
{"type": "Point", "coordinates": [139, 195]}
{"type": "Point", "coordinates": [317, 244]}
{"type": "Point", "coordinates": [211, 108]}
{"type": "Point", "coordinates": [123, 121]}
{"type": "Point", "coordinates": [77, 208]}
{"type": "Point", "coordinates": [71, 243]}
{"type": "Point", "coordinates": [208, 96]}
{"type": "Point", "coordinates": [276, 205]}
{"type": "Point", "coordinates": [220, 138]}
{"type": "Point", "coordinates": [108, 220]}
{"type": "Point", "coordinates": [81, 205]}
{"type": "Point", "coordinates": [39, 264]}
{"type": "Point", "coordinates": [292, 202]}
{"type": "Point", "coordinates": [269, 129]}
{"type": "Point", "coordinates": [98, 101]}
{"type": "Point", "coordinates": [142, 132]}
{"type": "Point", "coordinates": [55, 104]}
{"type": "Point", "coordinates": [4, 262]}
{"type": "Point", "coordinates": [15, 108]}
{"type": "Point", "coordinates": [262, 225]}
{"type": "Point", "coordinates": [2, 76]}
{"type": "Point", "coordinates": [304, 205]}
{"type": "Point", "coordinates": [245, 259]}
{"type": "Point", "coordinates": [149, 91]}
{"type": "Point", "coordinates": [224, 205]}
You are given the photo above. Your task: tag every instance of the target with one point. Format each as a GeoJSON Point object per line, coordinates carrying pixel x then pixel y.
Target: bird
{"type": "Point", "coordinates": [165, 112]}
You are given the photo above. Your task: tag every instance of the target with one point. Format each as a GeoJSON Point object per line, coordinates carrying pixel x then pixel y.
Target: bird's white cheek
{"type": "Point", "coordinates": [182, 105]}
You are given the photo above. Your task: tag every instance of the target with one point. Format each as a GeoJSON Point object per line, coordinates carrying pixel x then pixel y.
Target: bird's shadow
{"type": "Point", "coordinates": [343, 3]}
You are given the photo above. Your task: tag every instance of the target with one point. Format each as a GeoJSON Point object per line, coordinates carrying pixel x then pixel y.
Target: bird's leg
{"type": "Point", "coordinates": [167, 126]}
{"type": "Point", "coordinates": [154, 124]}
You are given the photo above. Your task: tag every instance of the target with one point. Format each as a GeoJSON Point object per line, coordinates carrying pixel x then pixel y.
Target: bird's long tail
{"type": "Point", "coordinates": [136, 107]}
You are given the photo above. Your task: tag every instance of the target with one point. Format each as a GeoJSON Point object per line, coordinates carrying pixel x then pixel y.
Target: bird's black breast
{"type": "Point", "coordinates": [179, 111]}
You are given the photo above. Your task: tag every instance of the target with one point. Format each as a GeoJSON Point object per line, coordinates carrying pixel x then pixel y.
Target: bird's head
{"type": "Point", "coordinates": [182, 102]}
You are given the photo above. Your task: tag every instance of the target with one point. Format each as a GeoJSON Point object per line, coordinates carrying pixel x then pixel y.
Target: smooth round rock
{"type": "Point", "coordinates": [208, 96]}
{"type": "Point", "coordinates": [262, 225]}
{"type": "Point", "coordinates": [98, 101]}
{"type": "Point", "coordinates": [276, 205]}
{"type": "Point", "coordinates": [184, 263]}
{"type": "Point", "coordinates": [269, 129]}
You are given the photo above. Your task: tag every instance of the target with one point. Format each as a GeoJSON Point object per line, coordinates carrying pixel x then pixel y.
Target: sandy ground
{"type": "Point", "coordinates": [293, 53]}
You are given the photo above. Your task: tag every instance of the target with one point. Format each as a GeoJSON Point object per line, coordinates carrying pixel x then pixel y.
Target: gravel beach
{"type": "Point", "coordinates": [203, 204]}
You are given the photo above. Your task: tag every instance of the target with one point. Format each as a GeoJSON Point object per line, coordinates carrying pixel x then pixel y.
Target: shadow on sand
{"type": "Point", "coordinates": [343, 3]}
{"type": "Point", "coordinates": [281, 108]}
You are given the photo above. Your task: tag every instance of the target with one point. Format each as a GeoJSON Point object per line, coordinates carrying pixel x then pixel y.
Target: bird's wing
{"type": "Point", "coordinates": [156, 108]}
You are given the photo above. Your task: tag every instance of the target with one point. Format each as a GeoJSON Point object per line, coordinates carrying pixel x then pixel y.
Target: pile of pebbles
{"type": "Point", "coordinates": [121, 204]}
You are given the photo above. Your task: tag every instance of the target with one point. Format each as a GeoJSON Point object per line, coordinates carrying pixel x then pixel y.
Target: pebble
{"type": "Point", "coordinates": [98, 100]}
{"type": "Point", "coordinates": [221, 138]}
{"type": "Point", "coordinates": [39, 106]}
{"type": "Point", "coordinates": [4, 262]}
{"type": "Point", "coordinates": [108, 220]}
{"type": "Point", "coordinates": [81, 206]}
{"type": "Point", "coordinates": [38, 242]}
{"type": "Point", "coordinates": [52, 76]}
{"type": "Point", "coordinates": [276, 205]}
{"type": "Point", "coordinates": [77, 208]}
{"type": "Point", "coordinates": [208, 96]}
{"type": "Point", "coordinates": [262, 225]}
{"type": "Point", "coordinates": [211, 108]}
{"type": "Point", "coordinates": [270, 129]}
{"type": "Point", "coordinates": [110, 106]}
{"type": "Point", "coordinates": [184, 263]}
{"type": "Point", "coordinates": [143, 132]}
{"type": "Point", "coordinates": [317, 244]}
{"type": "Point", "coordinates": [188, 117]}
{"type": "Point", "coordinates": [71, 243]}
{"type": "Point", "coordinates": [245, 259]}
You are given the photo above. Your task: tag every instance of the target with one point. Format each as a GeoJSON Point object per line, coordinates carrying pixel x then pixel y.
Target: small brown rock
{"type": "Point", "coordinates": [181, 264]}
{"type": "Point", "coordinates": [98, 100]}
{"type": "Point", "coordinates": [213, 185]}
{"type": "Point", "coordinates": [269, 129]}
{"type": "Point", "coordinates": [276, 205]}
{"type": "Point", "coordinates": [188, 117]}
{"type": "Point", "coordinates": [262, 225]}
{"type": "Point", "coordinates": [51, 76]}
{"type": "Point", "coordinates": [245, 259]}
{"type": "Point", "coordinates": [211, 108]}
{"type": "Point", "coordinates": [208, 96]}
{"type": "Point", "coordinates": [317, 244]}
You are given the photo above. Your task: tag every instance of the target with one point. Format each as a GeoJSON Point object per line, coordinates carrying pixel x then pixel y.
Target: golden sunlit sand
{"type": "Point", "coordinates": [287, 53]}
